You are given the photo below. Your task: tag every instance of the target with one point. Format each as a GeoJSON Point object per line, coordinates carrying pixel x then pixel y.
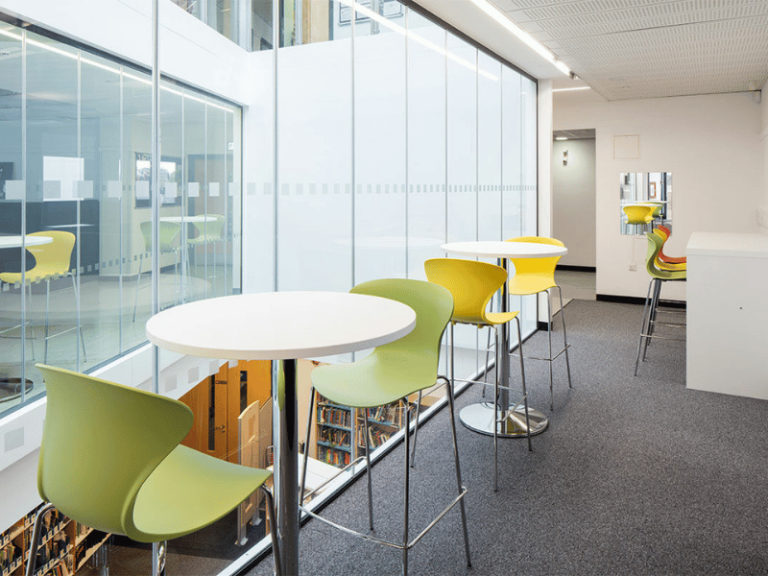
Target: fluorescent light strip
{"type": "Point", "coordinates": [571, 89]}
{"type": "Point", "coordinates": [10, 34]}
{"type": "Point", "coordinates": [412, 35]}
{"type": "Point", "coordinates": [521, 34]}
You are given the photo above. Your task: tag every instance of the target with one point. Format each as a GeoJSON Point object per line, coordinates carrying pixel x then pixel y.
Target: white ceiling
{"type": "Point", "coordinates": [626, 49]}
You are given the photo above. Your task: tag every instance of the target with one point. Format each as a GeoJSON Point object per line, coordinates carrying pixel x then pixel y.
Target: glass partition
{"type": "Point", "coordinates": [75, 206]}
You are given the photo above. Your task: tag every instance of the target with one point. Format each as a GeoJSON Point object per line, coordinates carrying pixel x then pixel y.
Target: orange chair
{"type": "Point", "coordinates": [663, 257]}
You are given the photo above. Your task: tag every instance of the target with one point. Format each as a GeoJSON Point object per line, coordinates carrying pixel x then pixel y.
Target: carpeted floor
{"type": "Point", "coordinates": [635, 476]}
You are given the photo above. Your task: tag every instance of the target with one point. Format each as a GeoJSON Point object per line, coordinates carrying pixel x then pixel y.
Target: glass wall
{"type": "Point", "coordinates": [75, 206]}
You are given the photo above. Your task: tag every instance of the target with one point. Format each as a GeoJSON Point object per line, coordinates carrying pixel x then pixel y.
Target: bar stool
{"type": "Point", "coordinates": [533, 276]}
{"type": "Point", "coordinates": [658, 277]}
{"type": "Point", "coordinates": [51, 261]}
{"type": "Point", "coordinates": [111, 458]}
{"type": "Point", "coordinates": [393, 372]}
{"type": "Point", "coordinates": [472, 285]}
{"type": "Point", "coordinates": [168, 233]}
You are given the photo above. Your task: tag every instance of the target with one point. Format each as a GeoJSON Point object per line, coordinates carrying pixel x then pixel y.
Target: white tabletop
{"type": "Point", "coordinates": [80, 225]}
{"type": "Point", "coordinates": [15, 241]}
{"type": "Point", "coordinates": [190, 219]}
{"type": "Point", "coordinates": [500, 249]}
{"type": "Point", "coordinates": [280, 325]}
{"type": "Point", "coordinates": [727, 244]}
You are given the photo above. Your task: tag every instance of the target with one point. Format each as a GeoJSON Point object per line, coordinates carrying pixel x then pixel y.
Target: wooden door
{"type": "Point", "coordinates": [209, 403]}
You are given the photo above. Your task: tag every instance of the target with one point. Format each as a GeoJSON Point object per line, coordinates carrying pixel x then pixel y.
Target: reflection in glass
{"type": "Point", "coordinates": [646, 201]}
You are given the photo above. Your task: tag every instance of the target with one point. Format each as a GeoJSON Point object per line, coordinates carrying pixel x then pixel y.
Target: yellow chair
{"type": "Point", "coordinates": [533, 276]}
{"type": "Point", "coordinates": [472, 285]}
{"type": "Point", "coordinates": [639, 214]}
{"type": "Point", "coordinates": [651, 309]}
{"type": "Point", "coordinates": [168, 233]}
{"type": "Point", "coordinates": [51, 261]}
{"type": "Point", "coordinates": [663, 263]}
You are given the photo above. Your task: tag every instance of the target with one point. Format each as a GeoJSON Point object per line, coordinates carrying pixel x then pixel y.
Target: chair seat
{"type": "Point", "coordinates": [376, 380]}
{"type": "Point", "coordinates": [491, 319]}
{"type": "Point", "coordinates": [190, 490]}
{"type": "Point", "coordinates": [527, 284]}
{"type": "Point", "coordinates": [38, 273]}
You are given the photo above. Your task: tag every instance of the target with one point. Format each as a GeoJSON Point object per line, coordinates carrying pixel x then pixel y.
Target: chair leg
{"type": "Point", "coordinates": [80, 327]}
{"type": "Point", "coordinates": [496, 418]}
{"type": "Point", "coordinates": [47, 308]}
{"type": "Point", "coordinates": [138, 282]}
{"type": "Point", "coordinates": [522, 374]}
{"type": "Point", "coordinates": [459, 482]}
{"type": "Point", "coordinates": [306, 446]}
{"type": "Point", "coordinates": [415, 432]}
{"type": "Point", "coordinates": [273, 529]}
{"type": "Point", "coordinates": [159, 550]}
{"type": "Point", "coordinates": [643, 324]}
{"type": "Point", "coordinates": [36, 533]}
{"type": "Point", "coordinates": [652, 315]}
{"type": "Point", "coordinates": [565, 337]}
{"type": "Point", "coordinates": [368, 468]}
{"type": "Point", "coordinates": [406, 492]}
{"type": "Point", "coordinates": [29, 307]}
{"type": "Point", "coordinates": [549, 336]}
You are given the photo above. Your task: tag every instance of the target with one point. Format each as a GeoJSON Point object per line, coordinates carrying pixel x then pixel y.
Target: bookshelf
{"type": "Point", "coordinates": [334, 433]}
{"type": "Point", "coordinates": [65, 547]}
{"type": "Point", "coordinates": [383, 422]}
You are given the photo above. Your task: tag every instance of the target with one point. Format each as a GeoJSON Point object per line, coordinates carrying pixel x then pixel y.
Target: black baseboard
{"type": "Point", "coordinates": [635, 300]}
{"type": "Point", "coordinates": [577, 268]}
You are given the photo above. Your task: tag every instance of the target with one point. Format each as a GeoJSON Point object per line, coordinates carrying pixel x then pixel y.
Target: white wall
{"type": "Point", "coordinates": [573, 189]}
{"type": "Point", "coordinates": [710, 144]}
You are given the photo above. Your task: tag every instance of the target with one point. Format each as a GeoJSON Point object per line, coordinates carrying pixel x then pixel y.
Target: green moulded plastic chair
{"type": "Point", "coordinates": [111, 459]}
{"type": "Point", "coordinates": [472, 285]}
{"type": "Point", "coordinates": [390, 373]}
{"type": "Point", "coordinates": [651, 308]}
{"type": "Point", "coordinates": [168, 233]}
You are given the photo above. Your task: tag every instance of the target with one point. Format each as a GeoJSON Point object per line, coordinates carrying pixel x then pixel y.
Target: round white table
{"type": "Point", "coordinates": [16, 241]}
{"type": "Point", "coordinates": [481, 416]}
{"type": "Point", "coordinates": [190, 219]}
{"type": "Point", "coordinates": [282, 326]}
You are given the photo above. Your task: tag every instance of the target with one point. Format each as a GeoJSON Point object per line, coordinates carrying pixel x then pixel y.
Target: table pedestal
{"type": "Point", "coordinates": [286, 438]}
{"type": "Point", "coordinates": [480, 418]}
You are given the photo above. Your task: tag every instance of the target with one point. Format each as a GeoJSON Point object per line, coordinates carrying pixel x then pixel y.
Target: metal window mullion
{"type": "Point", "coordinates": [407, 132]}
{"type": "Point", "coordinates": [155, 194]}
{"type": "Point", "coordinates": [207, 192]}
{"type": "Point", "coordinates": [78, 264]}
{"type": "Point", "coordinates": [353, 174]}
{"type": "Point", "coordinates": [23, 213]}
{"type": "Point", "coordinates": [120, 257]}
{"type": "Point", "coordinates": [276, 166]}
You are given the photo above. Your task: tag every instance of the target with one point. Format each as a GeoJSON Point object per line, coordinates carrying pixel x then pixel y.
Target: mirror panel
{"type": "Point", "coordinates": [646, 201]}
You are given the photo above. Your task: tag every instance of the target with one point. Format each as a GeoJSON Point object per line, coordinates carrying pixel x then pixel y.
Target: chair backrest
{"type": "Point", "coordinates": [101, 441]}
{"type": "Point", "coordinates": [433, 305]}
{"type": "Point", "coordinates": [53, 259]}
{"type": "Point", "coordinates": [652, 262]}
{"type": "Point", "coordinates": [545, 266]}
{"type": "Point", "coordinates": [471, 283]}
{"type": "Point", "coordinates": [211, 229]}
{"type": "Point", "coordinates": [168, 233]}
{"type": "Point", "coordinates": [639, 213]}
{"type": "Point", "coordinates": [664, 229]}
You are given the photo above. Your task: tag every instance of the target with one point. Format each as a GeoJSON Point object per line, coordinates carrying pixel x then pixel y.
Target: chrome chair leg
{"type": "Point", "coordinates": [159, 550]}
{"type": "Point", "coordinates": [549, 336]}
{"type": "Point", "coordinates": [565, 337]}
{"type": "Point", "coordinates": [273, 530]}
{"type": "Point", "coordinates": [80, 327]}
{"type": "Point", "coordinates": [459, 482]}
{"type": "Point", "coordinates": [368, 466]}
{"type": "Point", "coordinates": [416, 431]}
{"type": "Point", "coordinates": [643, 324]}
{"type": "Point", "coordinates": [138, 282]}
{"type": "Point", "coordinates": [652, 315]}
{"type": "Point", "coordinates": [35, 542]}
{"type": "Point", "coordinates": [406, 501]}
{"type": "Point", "coordinates": [306, 446]}
{"type": "Point", "coordinates": [47, 307]}
{"type": "Point", "coordinates": [522, 374]}
{"type": "Point", "coordinates": [496, 419]}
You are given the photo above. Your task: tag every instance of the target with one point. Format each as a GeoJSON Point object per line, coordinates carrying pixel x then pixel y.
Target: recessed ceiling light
{"type": "Point", "coordinates": [561, 138]}
{"type": "Point", "coordinates": [571, 89]}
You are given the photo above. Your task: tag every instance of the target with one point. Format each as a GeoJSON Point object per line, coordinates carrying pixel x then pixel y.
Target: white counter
{"type": "Point", "coordinates": [727, 334]}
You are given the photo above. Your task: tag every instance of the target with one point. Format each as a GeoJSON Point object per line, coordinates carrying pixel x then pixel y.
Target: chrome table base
{"type": "Point", "coordinates": [480, 418]}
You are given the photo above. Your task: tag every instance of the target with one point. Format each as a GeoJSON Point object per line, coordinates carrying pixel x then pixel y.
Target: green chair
{"type": "Point", "coordinates": [651, 308]}
{"type": "Point", "coordinates": [472, 285]}
{"type": "Point", "coordinates": [111, 459]}
{"type": "Point", "coordinates": [391, 373]}
{"type": "Point", "coordinates": [209, 232]}
{"type": "Point", "coordinates": [168, 233]}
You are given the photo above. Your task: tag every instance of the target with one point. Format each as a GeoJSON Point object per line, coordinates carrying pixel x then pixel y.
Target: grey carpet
{"type": "Point", "coordinates": [634, 476]}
